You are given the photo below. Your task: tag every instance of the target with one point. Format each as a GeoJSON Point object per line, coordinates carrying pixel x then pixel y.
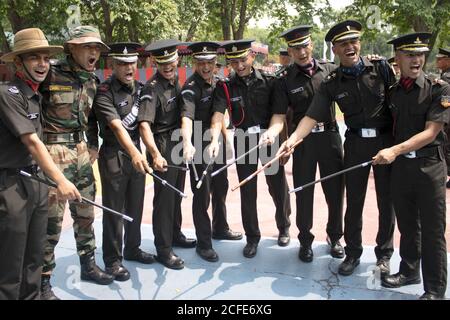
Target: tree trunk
{"type": "Point", "coordinates": [107, 18]}
{"type": "Point", "coordinates": [243, 20]}
{"type": "Point", "coordinates": [225, 20]}
{"type": "Point", "coordinates": [14, 18]}
{"type": "Point", "coordinates": [4, 41]}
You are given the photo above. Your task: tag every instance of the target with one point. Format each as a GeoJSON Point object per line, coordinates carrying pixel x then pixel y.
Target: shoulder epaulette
{"type": "Point", "coordinates": [104, 87]}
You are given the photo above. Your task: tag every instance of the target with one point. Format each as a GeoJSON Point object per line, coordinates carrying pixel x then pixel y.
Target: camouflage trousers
{"type": "Point", "coordinates": [73, 161]}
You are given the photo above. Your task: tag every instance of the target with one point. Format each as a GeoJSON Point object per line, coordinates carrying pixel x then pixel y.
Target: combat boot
{"type": "Point", "coordinates": [46, 289]}
{"type": "Point", "coordinates": [91, 272]}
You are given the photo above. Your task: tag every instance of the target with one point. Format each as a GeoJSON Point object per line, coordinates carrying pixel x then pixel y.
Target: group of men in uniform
{"type": "Point", "coordinates": [48, 111]}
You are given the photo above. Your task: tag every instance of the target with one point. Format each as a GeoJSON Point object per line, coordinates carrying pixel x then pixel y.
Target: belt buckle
{"type": "Point", "coordinates": [410, 155]}
{"type": "Point", "coordinates": [320, 127]}
{"type": "Point", "coordinates": [368, 132]}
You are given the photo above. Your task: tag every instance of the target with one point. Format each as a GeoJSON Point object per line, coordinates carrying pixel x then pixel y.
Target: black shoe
{"type": "Point", "coordinates": [430, 296]}
{"type": "Point", "coordinates": [140, 256]}
{"type": "Point", "coordinates": [207, 254]}
{"type": "Point", "coordinates": [347, 266]}
{"type": "Point", "coordinates": [183, 242]}
{"type": "Point", "coordinates": [118, 271]}
{"type": "Point", "coordinates": [46, 289]}
{"type": "Point", "coordinates": [91, 272]}
{"type": "Point", "coordinates": [305, 254]}
{"type": "Point", "coordinates": [384, 266]}
{"type": "Point", "coordinates": [250, 250]}
{"type": "Point", "coordinates": [336, 249]}
{"type": "Point", "coordinates": [283, 239]}
{"type": "Point", "coordinates": [399, 280]}
{"type": "Point", "coordinates": [227, 235]}
{"type": "Point", "coordinates": [171, 261]}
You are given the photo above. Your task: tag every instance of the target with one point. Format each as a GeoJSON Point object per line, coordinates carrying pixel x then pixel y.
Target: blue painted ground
{"type": "Point", "coordinates": [274, 274]}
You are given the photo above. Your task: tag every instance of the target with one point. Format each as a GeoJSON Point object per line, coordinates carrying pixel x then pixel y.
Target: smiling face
{"type": "Point", "coordinates": [205, 68]}
{"type": "Point", "coordinates": [168, 70]}
{"type": "Point", "coordinates": [410, 64]}
{"type": "Point", "coordinates": [302, 55]}
{"type": "Point", "coordinates": [348, 51]}
{"type": "Point", "coordinates": [34, 65]}
{"type": "Point", "coordinates": [86, 54]}
{"type": "Point", "coordinates": [125, 71]}
{"type": "Point", "coordinates": [243, 66]}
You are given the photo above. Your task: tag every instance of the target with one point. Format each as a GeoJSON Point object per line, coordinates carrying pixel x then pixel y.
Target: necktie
{"type": "Point", "coordinates": [406, 83]}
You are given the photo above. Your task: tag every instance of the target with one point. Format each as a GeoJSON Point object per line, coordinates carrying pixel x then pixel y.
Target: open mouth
{"type": "Point", "coordinates": [91, 61]}
{"type": "Point", "coordinates": [350, 54]}
{"type": "Point", "coordinates": [170, 70]}
{"type": "Point", "coordinates": [129, 75]}
{"type": "Point", "coordinates": [40, 73]}
{"type": "Point", "coordinates": [415, 67]}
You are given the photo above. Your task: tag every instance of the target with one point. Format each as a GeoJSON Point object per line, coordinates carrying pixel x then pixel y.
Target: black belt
{"type": "Point", "coordinates": [370, 132]}
{"type": "Point", "coordinates": [421, 153]}
{"type": "Point", "coordinates": [33, 169]}
{"type": "Point", "coordinates": [66, 137]}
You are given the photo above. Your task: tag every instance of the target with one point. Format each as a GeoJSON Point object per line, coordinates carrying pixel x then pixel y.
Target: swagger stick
{"type": "Point", "coordinates": [268, 164]}
{"type": "Point", "coordinates": [361, 165]}
{"type": "Point", "coordinates": [52, 184]}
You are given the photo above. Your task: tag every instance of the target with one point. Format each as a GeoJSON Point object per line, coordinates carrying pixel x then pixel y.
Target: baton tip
{"type": "Point", "coordinates": [199, 184]}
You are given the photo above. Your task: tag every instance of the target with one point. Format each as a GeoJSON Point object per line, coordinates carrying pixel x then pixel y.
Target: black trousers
{"type": "Point", "coordinates": [213, 189]}
{"type": "Point", "coordinates": [418, 190]}
{"type": "Point", "coordinates": [166, 202]}
{"type": "Point", "coordinates": [356, 151]}
{"type": "Point", "coordinates": [23, 226]}
{"type": "Point", "coordinates": [323, 149]}
{"type": "Point", "coordinates": [278, 189]}
{"type": "Point", "coordinates": [123, 190]}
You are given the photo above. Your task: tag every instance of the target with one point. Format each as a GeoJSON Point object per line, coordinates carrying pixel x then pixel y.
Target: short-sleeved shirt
{"type": "Point", "coordinates": [296, 89]}
{"type": "Point", "coordinates": [20, 113]}
{"type": "Point", "coordinates": [115, 100]}
{"type": "Point", "coordinates": [252, 100]}
{"type": "Point", "coordinates": [196, 100]}
{"type": "Point", "coordinates": [159, 104]}
{"type": "Point", "coordinates": [362, 99]}
{"type": "Point", "coordinates": [413, 108]}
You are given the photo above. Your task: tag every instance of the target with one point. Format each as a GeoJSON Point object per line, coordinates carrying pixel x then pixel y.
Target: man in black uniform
{"type": "Point", "coordinates": [23, 202]}
{"type": "Point", "coordinates": [116, 107]}
{"type": "Point", "coordinates": [443, 64]}
{"type": "Point", "coordinates": [359, 87]}
{"type": "Point", "coordinates": [159, 115]}
{"type": "Point", "coordinates": [198, 116]}
{"type": "Point", "coordinates": [322, 147]}
{"type": "Point", "coordinates": [250, 100]}
{"type": "Point", "coordinates": [420, 108]}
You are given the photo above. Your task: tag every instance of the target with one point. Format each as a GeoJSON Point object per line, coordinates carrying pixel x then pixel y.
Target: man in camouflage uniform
{"type": "Point", "coordinates": [68, 93]}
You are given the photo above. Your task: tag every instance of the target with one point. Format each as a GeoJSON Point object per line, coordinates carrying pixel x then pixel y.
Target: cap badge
{"type": "Point", "coordinates": [348, 28]}
{"type": "Point", "coordinates": [125, 51]}
{"type": "Point", "coordinates": [205, 49]}
{"type": "Point", "coordinates": [418, 41]}
{"type": "Point", "coordinates": [234, 49]}
{"type": "Point", "coordinates": [166, 53]}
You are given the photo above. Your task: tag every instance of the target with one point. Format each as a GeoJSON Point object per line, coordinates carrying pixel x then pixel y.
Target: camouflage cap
{"type": "Point", "coordinates": [85, 34]}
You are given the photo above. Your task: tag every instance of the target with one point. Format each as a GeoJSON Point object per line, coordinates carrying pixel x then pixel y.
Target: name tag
{"type": "Point", "coordinates": [320, 127]}
{"type": "Point", "coordinates": [124, 103]}
{"type": "Point", "coordinates": [254, 129]}
{"type": "Point", "coordinates": [368, 133]}
{"type": "Point", "coordinates": [234, 99]}
{"type": "Point", "coordinates": [55, 87]}
{"type": "Point", "coordinates": [171, 100]}
{"type": "Point", "coordinates": [206, 99]}
{"type": "Point", "coordinates": [300, 89]}
{"type": "Point", "coordinates": [342, 95]}
{"type": "Point", "coordinates": [33, 116]}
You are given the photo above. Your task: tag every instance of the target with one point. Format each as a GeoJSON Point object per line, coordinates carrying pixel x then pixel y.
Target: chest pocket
{"type": "Point", "coordinates": [169, 105]}
{"type": "Point", "coordinates": [348, 104]}
{"type": "Point", "coordinates": [62, 102]}
{"type": "Point", "coordinates": [419, 112]}
{"type": "Point", "coordinates": [123, 107]}
{"type": "Point", "coordinates": [298, 98]}
{"type": "Point", "coordinates": [203, 109]}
